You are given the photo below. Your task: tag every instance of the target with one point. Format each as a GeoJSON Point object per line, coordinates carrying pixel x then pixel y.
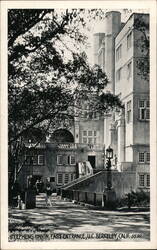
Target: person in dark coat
{"type": "Point", "coordinates": [48, 195]}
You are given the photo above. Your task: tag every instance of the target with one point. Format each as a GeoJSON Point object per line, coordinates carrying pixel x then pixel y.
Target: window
{"type": "Point", "coordinates": [144, 112]}
{"type": "Point", "coordinates": [90, 133]}
{"type": "Point", "coordinates": [59, 178]}
{"type": "Point", "coordinates": [118, 74]}
{"type": "Point", "coordinates": [41, 159]}
{"type": "Point", "coordinates": [141, 157]}
{"type": "Point", "coordinates": [148, 180]}
{"type": "Point", "coordinates": [72, 177]}
{"type": "Point", "coordinates": [66, 178]}
{"type": "Point", "coordinates": [84, 140]}
{"type": "Point", "coordinates": [128, 108]}
{"type": "Point", "coordinates": [90, 137]}
{"type": "Point", "coordinates": [144, 180]}
{"type": "Point", "coordinates": [129, 40]}
{"type": "Point", "coordinates": [72, 160]}
{"type": "Point", "coordinates": [84, 133]}
{"type": "Point", "coordinates": [119, 52]}
{"type": "Point", "coordinates": [88, 114]}
{"type": "Point", "coordinates": [129, 70]}
{"type": "Point", "coordinates": [147, 157]}
{"type": "Point", "coordinates": [141, 180]}
{"type": "Point", "coordinates": [35, 160]}
{"type": "Point", "coordinates": [59, 159]}
{"type": "Point", "coordinates": [52, 179]}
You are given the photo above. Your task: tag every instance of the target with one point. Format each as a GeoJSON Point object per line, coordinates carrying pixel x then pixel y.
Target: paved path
{"type": "Point", "coordinates": [65, 220]}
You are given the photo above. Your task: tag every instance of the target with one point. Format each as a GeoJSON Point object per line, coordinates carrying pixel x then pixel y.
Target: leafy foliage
{"type": "Point", "coordinates": [49, 71]}
{"type": "Point", "coordinates": [141, 24]}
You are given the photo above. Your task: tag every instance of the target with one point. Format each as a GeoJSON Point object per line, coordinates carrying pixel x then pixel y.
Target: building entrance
{"type": "Point", "coordinates": [91, 159]}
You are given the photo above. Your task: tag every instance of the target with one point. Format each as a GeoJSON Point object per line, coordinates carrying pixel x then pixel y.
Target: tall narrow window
{"type": "Point", "coordinates": [72, 160]}
{"type": "Point", "coordinates": [147, 157]}
{"type": "Point", "coordinates": [128, 111]}
{"type": "Point", "coordinates": [129, 40]}
{"type": "Point", "coordinates": [141, 157]}
{"type": "Point", "coordinates": [144, 110]}
{"type": "Point", "coordinates": [129, 70]}
{"type": "Point", "coordinates": [119, 52]}
{"type": "Point", "coordinates": [59, 178]}
{"type": "Point", "coordinates": [118, 74]}
{"type": "Point", "coordinates": [148, 180]}
{"type": "Point", "coordinates": [59, 159]}
{"type": "Point", "coordinates": [35, 160]}
{"type": "Point", "coordinates": [141, 180]}
{"type": "Point", "coordinates": [41, 159]}
{"type": "Point", "coordinates": [66, 178]}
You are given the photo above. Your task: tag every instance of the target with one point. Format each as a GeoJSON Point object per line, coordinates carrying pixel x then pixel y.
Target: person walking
{"type": "Point", "coordinates": [48, 195]}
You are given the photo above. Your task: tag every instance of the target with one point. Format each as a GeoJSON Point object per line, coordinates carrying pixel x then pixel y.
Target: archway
{"type": "Point", "coordinates": [62, 136]}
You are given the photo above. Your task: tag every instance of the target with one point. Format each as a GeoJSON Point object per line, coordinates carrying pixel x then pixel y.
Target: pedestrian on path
{"type": "Point", "coordinates": [48, 195]}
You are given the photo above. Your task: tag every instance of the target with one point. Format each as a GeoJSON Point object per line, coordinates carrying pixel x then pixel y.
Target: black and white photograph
{"type": "Point", "coordinates": [78, 124]}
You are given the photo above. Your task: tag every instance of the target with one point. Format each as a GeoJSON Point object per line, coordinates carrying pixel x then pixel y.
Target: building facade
{"type": "Point", "coordinates": [118, 54]}
{"type": "Point", "coordinates": [70, 154]}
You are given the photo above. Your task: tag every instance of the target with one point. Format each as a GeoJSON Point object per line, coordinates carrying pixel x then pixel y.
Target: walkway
{"type": "Point", "coordinates": [68, 221]}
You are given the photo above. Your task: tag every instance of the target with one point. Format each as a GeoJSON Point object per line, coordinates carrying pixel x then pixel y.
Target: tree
{"type": "Point", "coordinates": [141, 25]}
{"type": "Point", "coordinates": [47, 75]}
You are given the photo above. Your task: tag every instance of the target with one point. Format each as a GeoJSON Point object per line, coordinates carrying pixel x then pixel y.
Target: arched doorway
{"type": "Point", "coordinates": [62, 136]}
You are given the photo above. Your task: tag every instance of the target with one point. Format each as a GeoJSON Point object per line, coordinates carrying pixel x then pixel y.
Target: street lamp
{"type": "Point", "coordinates": [109, 156]}
{"type": "Point", "coordinates": [30, 178]}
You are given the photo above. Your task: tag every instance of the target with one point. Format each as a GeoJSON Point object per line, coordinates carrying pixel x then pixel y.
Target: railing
{"type": "Point", "coordinates": [83, 197]}
{"type": "Point", "coordinates": [80, 145]}
{"type": "Point", "coordinates": [67, 146]}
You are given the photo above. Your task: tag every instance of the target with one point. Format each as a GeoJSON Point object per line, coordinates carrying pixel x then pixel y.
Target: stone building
{"type": "Point", "coordinates": [118, 50]}
{"type": "Point", "coordinates": [71, 154]}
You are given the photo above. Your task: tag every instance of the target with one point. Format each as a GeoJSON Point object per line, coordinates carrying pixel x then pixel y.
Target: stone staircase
{"type": "Point", "coordinates": [79, 180]}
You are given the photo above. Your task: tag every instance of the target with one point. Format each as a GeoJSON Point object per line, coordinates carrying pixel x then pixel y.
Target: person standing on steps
{"type": "Point", "coordinates": [48, 194]}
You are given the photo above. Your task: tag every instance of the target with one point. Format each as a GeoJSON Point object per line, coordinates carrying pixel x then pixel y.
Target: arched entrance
{"type": "Point", "coordinates": [62, 136]}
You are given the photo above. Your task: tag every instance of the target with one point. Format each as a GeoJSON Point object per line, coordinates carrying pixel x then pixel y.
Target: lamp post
{"type": "Point", "coordinates": [109, 156]}
{"type": "Point", "coordinates": [31, 164]}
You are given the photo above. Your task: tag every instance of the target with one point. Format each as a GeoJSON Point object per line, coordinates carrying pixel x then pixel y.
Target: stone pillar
{"type": "Point", "coordinates": [121, 139]}
{"type": "Point", "coordinates": [76, 132]}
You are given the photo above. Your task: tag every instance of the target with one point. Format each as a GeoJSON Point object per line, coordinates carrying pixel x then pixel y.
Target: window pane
{"type": "Point", "coordinates": [72, 159]}
{"type": "Point", "coordinates": [148, 157]}
{"type": "Point", "coordinates": [141, 103]}
{"type": "Point", "coordinates": [141, 157]}
{"type": "Point", "coordinates": [60, 178]}
{"type": "Point", "coordinates": [35, 160]}
{"type": "Point", "coordinates": [94, 133]}
{"type": "Point", "coordinates": [85, 140]}
{"type": "Point", "coordinates": [147, 114]}
{"type": "Point", "coordinates": [129, 40]}
{"type": "Point", "coordinates": [142, 111]}
{"type": "Point", "coordinates": [89, 133]}
{"type": "Point", "coordinates": [148, 180]}
{"type": "Point", "coordinates": [59, 159]}
{"type": "Point", "coordinates": [90, 140]}
{"type": "Point", "coordinates": [72, 177]}
{"type": "Point", "coordinates": [84, 133]}
{"type": "Point", "coordinates": [129, 68]}
{"type": "Point", "coordinates": [147, 103]}
{"type": "Point", "coordinates": [41, 159]}
{"type": "Point", "coordinates": [66, 178]}
{"type": "Point", "coordinates": [141, 180]}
